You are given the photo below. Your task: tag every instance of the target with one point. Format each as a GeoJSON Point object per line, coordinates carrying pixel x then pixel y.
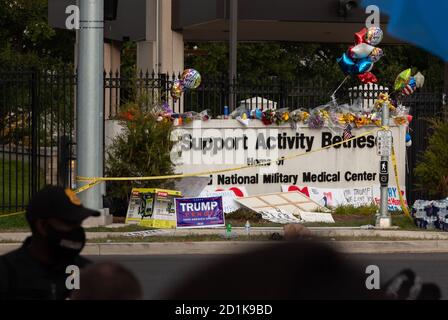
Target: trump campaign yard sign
{"type": "Point", "coordinates": [199, 212]}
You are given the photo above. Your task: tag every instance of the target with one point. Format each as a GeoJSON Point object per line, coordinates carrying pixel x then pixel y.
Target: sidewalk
{"type": "Point", "coordinates": [326, 232]}
{"type": "Point", "coordinates": [412, 241]}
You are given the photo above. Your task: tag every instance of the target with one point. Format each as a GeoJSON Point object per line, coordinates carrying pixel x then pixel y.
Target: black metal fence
{"type": "Point", "coordinates": [37, 134]}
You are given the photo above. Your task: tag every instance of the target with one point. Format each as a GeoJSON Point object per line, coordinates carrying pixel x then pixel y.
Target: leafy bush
{"type": "Point", "coordinates": [244, 215]}
{"type": "Point", "coordinates": [432, 168]}
{"type": "Point", "coordinates": [141, 150]}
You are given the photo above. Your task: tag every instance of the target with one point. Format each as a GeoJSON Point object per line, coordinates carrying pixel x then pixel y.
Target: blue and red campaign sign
{"type": "Point", "coordinates": [199, 212]}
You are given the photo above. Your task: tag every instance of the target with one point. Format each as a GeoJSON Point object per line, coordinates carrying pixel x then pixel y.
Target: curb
{"type": "Point", "coordinates": [319, 232]}
{"type": "Point", "coordinates": [234, 247]}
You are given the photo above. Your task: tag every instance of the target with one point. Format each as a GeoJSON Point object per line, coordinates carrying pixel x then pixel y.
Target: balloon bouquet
{"type": "Point", "coordinates": [360, 58]}
{"type": "Point", "coordinates": [190, 80]}
{"type": "Point", "coordinates": [405, 85]}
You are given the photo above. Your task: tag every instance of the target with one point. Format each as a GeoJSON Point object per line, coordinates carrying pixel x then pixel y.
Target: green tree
{"type": "Point", "coordinates": [432, 168]}
{"type": "Point", "coordinates": [290, 60]}
{"type": "Point", "coordinates": [26, 38]}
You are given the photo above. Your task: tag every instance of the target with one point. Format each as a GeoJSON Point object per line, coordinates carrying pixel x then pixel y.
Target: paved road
{"type": "Point", "coordinates": [159, 273]}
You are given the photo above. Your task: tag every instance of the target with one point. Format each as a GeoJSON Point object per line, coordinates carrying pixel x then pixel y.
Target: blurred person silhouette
{"type": "Point", "coordinates": [37, 270]}
{"type": "Point", "coordinates": [107, 281]}
{"type": "Point", "coordinates": [292, 270]}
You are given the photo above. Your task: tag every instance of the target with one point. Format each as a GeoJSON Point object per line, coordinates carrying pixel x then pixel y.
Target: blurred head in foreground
{"type": "Point", "coordinates": [289, 270]}
{"type": "Point", "coordinates": [107, 281]}
{"type": "Point", "coordinates": [297, 270]}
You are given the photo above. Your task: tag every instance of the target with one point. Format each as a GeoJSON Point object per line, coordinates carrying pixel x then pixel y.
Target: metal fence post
{"type": "Point", "coordinates": [63, 161]}
{"type": "Point", "coordinates": [34, 131]}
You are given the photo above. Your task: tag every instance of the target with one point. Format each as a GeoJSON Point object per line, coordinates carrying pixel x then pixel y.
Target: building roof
{"type": "Point", "coordinates": [259, 20]}
{"type": "Point", "coordinates": [270, 20]}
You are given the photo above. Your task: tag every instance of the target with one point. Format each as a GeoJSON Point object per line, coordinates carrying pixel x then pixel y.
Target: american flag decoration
{"type": "Point", "coordinates": [408, 90]}
{"type": "Point", "coordinates": [410, 87]}
{"type": "Point", "coordinates": [347, 134]}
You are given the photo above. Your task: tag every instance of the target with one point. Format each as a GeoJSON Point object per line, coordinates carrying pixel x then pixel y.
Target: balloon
{"type": "Point", "coordinates": [177, 89]}
{"type": "Point", "coordinates": [409, 143]}
{"type": "Point", "coordinates": [363, 66]}
{"type": "Point", "coordinates": [402, 80]}
{"type": "Point", "coordinates": [376, 54]}
{"type": "Point", "coordinates": [367, 77]}
{"type": "Point", "coordinates": [360, 51]}
{"type": "Point", "coordinates": [419, 80]}
{"type": "Point", "coordinates": [408, 137]}
{"type": "Point", "coordinates": [410, 117]}
{"type": "Point", "coordinates": [347, 65]}
{"type": "Point", "coordinates": [191, 78]}
{"type": "Point", "coordinates": [410, 87]}
{"type": "Point", "coordinates": [360, 37]}
{"type": "Point", "coordinates": [374, 36]}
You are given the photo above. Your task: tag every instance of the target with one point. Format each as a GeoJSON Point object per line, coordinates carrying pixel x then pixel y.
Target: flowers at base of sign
{"type": "Point", "coordinates": [178, 119]}
{"type": "Point", "coordinates": [280, 116]}
{"type": "Point", "coordinates": [298, 116]}
{"type": "Point", "coordinates": [268, 117]}
{"type": "Point", "coordinates": [398, 112]}
{"type": "Point", "coordinates": [318, 118]}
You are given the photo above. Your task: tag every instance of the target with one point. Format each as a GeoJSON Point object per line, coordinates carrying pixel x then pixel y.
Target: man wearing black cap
{"type": "Point", "coordinates": [37, 270]}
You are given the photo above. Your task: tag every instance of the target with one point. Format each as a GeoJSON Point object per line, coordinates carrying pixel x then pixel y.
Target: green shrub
{"type": "Point", "coordinates": [141, 150]}
{"type": "Point", "coordinates": [432, 168]}
{"type": "Point", "coordinates": [244, 214]}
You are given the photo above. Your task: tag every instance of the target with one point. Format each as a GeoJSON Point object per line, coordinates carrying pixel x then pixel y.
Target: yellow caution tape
{"type": "Point", "coordinates": [404, 207]}
{"type": "Point", "coordinates": [12, 214]}
{"type": "Point", "coordinates": [95, 180]}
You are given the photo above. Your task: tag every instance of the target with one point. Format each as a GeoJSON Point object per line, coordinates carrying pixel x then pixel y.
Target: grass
{"type": "Point", "coordinates": [358, 211]}
{"type": "Point", "coordinates": [15, 185]}
{"type": "Point", "coordinates": [15, 223]}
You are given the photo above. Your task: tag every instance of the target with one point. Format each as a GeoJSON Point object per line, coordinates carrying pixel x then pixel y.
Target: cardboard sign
{"type": "Point", "coordinates": [364, 196]}
{"type": "Point", "coordinates": [279, 216]}
{"type": "Point", "coordinates": [199, 212]}
{"type": "Point", "coordinates": [152, 208]}
{"type": "Point", "coordinates": [228, 196]}
{"type": "Point", "coordinates": [291, 202]}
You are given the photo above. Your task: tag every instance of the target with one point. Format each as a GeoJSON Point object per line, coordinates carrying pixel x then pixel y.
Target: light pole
{"type": "Point", "coordinates": [89, 108]}
{"type": "Point", "coordinates": [233, 48]}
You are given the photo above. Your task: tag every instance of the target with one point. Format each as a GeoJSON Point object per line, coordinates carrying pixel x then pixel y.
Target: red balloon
{"type": "Point", "coordinates": [368, 77]}
{"type": "Point", "coordinates": [360, 37]}
{"type": "Point", "coordinates": [410, 118]}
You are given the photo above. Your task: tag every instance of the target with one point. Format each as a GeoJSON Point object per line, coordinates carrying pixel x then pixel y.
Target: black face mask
{"type": "Point", "coordinates": [66, 245]}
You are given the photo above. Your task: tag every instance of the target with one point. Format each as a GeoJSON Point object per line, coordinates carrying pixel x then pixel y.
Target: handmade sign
{"type": "Point", "coordinates": [363, 196]}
